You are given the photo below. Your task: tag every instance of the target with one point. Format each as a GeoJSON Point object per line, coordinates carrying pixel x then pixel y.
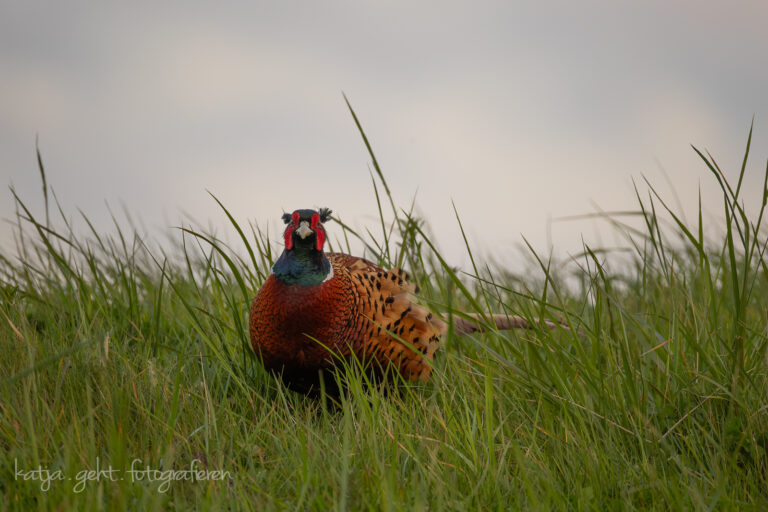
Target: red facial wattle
{"type": "Point", "coordinates": [289, 231]}
{"type": "Point", "coordinates": [319, 232]}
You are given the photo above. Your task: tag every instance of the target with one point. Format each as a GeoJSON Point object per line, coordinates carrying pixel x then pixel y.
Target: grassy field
{"type": "Point", "coordinates": [117, 356]}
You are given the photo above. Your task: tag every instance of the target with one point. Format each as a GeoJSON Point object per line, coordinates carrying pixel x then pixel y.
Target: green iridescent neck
{"type": "Point", "coordinates": [304, 266]}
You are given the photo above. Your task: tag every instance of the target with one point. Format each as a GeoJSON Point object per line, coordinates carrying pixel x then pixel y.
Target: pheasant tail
{"type": "Point", "coordinates": [501, 322]}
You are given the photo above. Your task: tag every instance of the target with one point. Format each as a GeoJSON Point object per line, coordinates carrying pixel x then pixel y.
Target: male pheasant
{"type": "Point", "coordinates": [317, 308]}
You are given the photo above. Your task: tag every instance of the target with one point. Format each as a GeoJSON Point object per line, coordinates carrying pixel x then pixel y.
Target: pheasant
{"type": "Point", "coordinates": [318, 308]}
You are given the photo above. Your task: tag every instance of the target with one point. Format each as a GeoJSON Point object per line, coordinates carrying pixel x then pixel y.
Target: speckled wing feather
{"type": "Point", "coordinates": [393, 329]}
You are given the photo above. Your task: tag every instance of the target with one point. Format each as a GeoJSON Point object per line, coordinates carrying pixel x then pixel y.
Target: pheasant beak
{"type": "Point", "coordinates": [303, 230]}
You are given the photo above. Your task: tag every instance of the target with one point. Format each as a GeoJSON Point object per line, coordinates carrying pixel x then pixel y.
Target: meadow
{"type": "Point", "coordinates": [654, 395]}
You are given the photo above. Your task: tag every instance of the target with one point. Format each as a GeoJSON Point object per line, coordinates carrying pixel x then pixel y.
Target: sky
{"type": "Point", "coordinates": [516, 112]}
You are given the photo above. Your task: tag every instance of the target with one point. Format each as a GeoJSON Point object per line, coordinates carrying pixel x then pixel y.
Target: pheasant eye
{"type": "Point", "coordinates": [295, 218]}
{"type": "Point", "coordinates": [315, 220]}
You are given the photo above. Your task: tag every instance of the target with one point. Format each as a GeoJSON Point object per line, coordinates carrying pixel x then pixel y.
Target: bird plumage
{"type": "Point", "coordinates": [362, 310]}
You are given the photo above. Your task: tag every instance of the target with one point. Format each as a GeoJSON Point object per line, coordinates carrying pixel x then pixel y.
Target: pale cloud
{"type": "Point", "coordinates": [518, 113]}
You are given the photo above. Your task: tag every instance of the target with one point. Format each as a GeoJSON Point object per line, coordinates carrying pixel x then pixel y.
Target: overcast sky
{"type": "Point", "coordinates": [515, 111]}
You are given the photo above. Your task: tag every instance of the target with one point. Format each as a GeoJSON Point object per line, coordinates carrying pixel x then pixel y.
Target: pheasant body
{"type": "Point", "coordinates": [360, 309]}
{"type": "Point", "coordinates": [318, 309]}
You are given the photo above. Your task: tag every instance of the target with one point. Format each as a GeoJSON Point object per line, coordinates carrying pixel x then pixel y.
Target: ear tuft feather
{"type": "Point", "coordinates": [325, 214]}
{"type": "Point", "coordinates": [286, 218]}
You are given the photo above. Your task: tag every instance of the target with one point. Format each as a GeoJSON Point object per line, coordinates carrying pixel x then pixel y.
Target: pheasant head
{"type": "Point", "coordinates": [303, 261]}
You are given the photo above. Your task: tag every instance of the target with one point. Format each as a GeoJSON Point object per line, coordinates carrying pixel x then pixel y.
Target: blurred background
{"type": "Point", "coordinates": [518, 112]}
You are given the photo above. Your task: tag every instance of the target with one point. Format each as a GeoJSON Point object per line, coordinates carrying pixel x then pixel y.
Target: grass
{"type": "Point", "coordinates": [113, 350]}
